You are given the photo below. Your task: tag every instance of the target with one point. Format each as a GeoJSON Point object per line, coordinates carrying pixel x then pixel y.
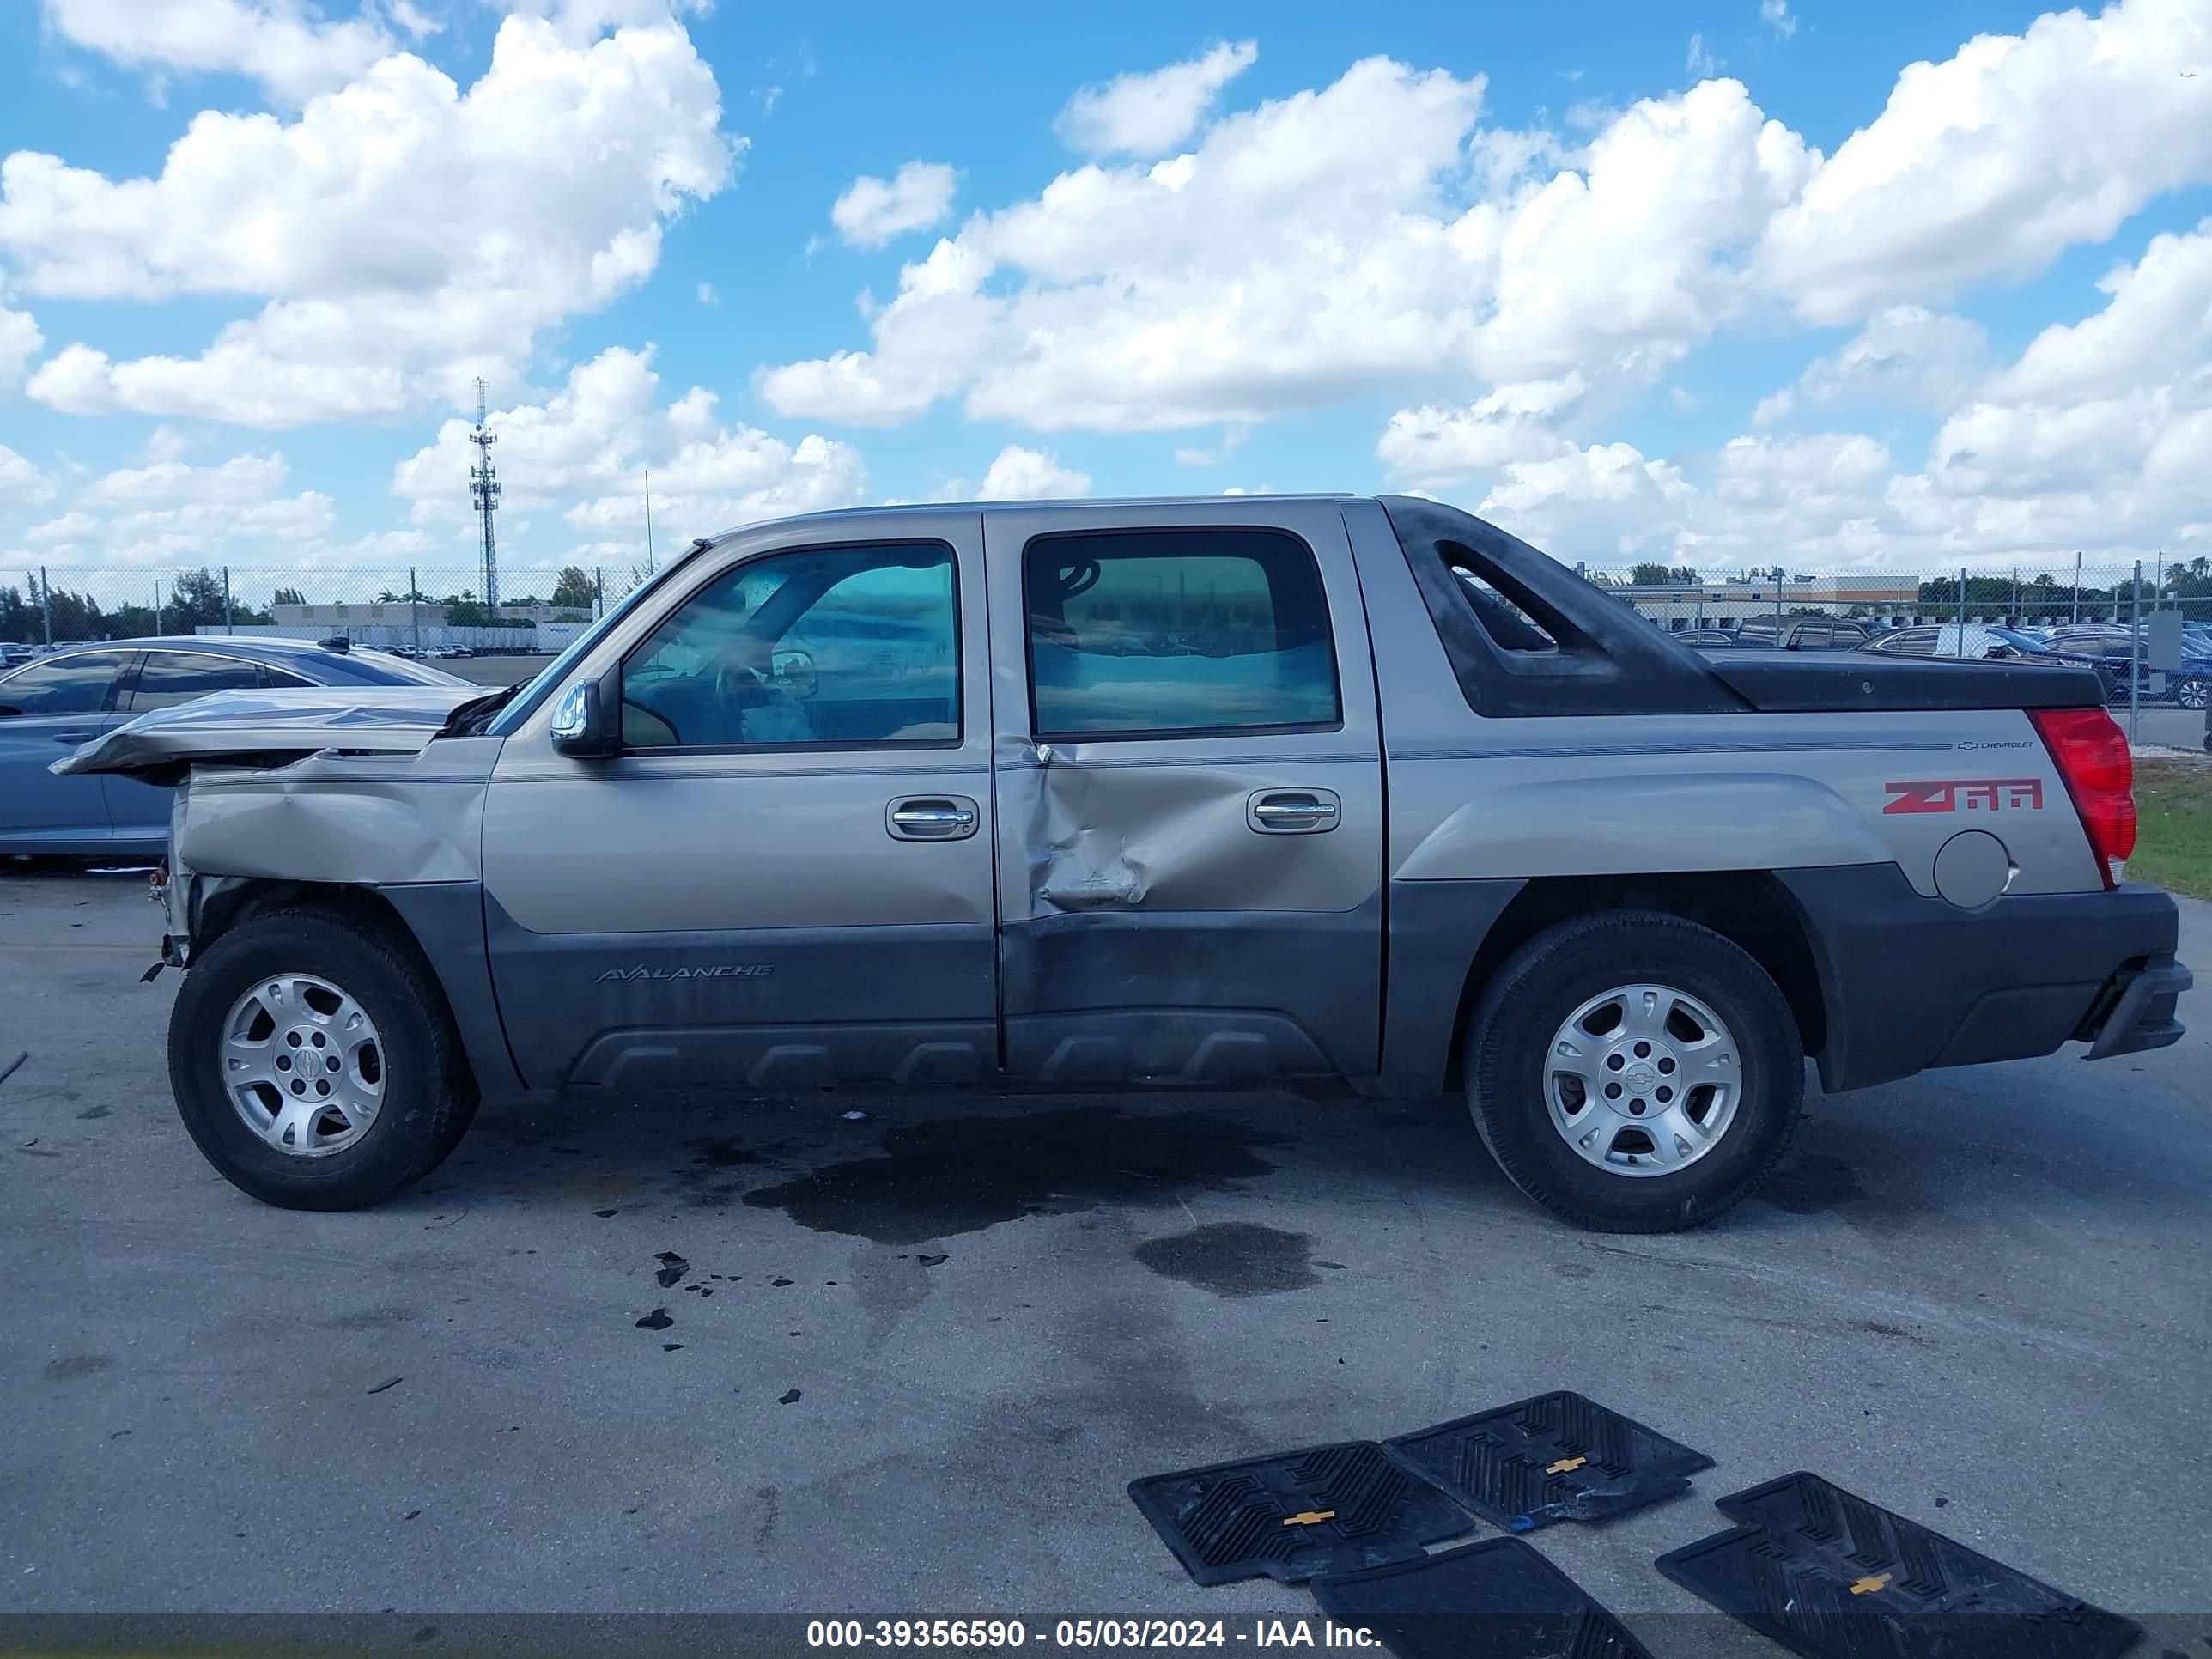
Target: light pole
{"type": "Point", "coordinates": [157, 605]}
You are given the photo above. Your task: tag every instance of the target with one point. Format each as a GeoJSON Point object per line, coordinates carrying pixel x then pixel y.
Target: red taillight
{"type": "Point", "coordinates": [2100, 775]}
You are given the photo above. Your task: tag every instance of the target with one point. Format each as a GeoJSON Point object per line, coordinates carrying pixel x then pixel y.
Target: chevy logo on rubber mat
{"type": "Point", "coordinates": [1309, 1518]}
{"type": "Point", "coordinates": [1870, 1583]}
{"type": "Point", "coordinates": [1564, 1465]}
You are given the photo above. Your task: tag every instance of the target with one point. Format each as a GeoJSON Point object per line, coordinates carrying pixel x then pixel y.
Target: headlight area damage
{"type": "Point", "coordinates": [304, 787]}
{"type": "Point", "coordinates": [267, 728]}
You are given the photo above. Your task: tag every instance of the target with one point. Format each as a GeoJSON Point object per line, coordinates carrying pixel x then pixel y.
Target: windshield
{"type": "Point", "coordinates": [535, 690]}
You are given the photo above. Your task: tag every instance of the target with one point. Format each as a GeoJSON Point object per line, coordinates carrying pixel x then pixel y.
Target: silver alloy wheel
{"type": "Point", "coordinates": [303, 1064]}
{"type": "Point", "coordinates": [1643, 1080]}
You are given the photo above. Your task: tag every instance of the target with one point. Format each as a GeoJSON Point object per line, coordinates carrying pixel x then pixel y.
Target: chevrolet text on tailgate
{"type": "Point", "coordinates": [1099, 794]}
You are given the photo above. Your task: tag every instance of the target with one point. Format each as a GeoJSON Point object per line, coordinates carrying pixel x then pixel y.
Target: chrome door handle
{"type": "Point", "coordinates": [1293, 812]}
{"type": "Point", "coordinates": [950, 817]}
{"type": "Point", "coordinates": [74, 736]}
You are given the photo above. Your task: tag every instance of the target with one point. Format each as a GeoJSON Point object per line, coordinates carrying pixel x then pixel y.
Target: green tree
{"type": "Point", "coordinates": [575, 587]}
{"type": "Point", "coordinates": [19, 618]}
{"type": "Point", "coordinates": [194, 599]}
{"type": "Point", "coordinates": [288, 596]}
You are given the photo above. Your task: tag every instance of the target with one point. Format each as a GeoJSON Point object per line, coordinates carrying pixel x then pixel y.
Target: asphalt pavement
{"type": "Point", "coordinates": [828, 1354]}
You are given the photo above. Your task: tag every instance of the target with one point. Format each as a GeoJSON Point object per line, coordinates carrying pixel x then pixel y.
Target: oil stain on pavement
{"type": "Point", "coordinates": [1234, 1259]}
{"type": "Point", "coordinates": [950, 1175]}
{"type": "Point", "coordinates": [1811, 1184]}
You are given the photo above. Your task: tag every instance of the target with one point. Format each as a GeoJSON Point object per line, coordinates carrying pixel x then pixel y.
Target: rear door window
{"type": "Point", "coordinates": [169, 677]}
{"type": "Point", "coordinates": [1177, 633]}
{"type": "Point", "coordinates": [81, 682]}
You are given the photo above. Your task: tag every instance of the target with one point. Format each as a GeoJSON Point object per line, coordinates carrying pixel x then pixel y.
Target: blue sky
{"type": "Point", "coordinates": [1721, 284]}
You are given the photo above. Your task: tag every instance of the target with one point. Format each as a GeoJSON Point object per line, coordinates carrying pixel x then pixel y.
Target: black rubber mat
{"type": "Point", "coordinates": [1556, 1457]}
{"type": "Point", "coordinates": [1498, 1599]}
{"type": "Point", "coordinates": [1834, 1576]}
{"type": "Point", "coordinates": [1328, 1509]}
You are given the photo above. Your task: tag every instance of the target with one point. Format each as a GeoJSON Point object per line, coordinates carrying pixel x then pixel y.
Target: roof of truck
{"type": "Point", "coordinates": [938, 508]}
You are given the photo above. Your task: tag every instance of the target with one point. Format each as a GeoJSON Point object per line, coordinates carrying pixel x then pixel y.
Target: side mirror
{"type": "Point", "coordinates": [580, 725]}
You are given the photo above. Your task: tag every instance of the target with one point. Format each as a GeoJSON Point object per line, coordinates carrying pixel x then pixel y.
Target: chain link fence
{"type": "Point", "coordinates": [2103, 612]}
{"type": "Point", "coordinates": [415, 608]}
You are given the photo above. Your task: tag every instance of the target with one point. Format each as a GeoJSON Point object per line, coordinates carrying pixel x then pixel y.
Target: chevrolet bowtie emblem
{"type": "Point", "coordinates": [1309, 1518]}
{"type": "Point", "coordinates": [1564, 1465]}
{"type": "Point", "coordinates": [1870, 1583]}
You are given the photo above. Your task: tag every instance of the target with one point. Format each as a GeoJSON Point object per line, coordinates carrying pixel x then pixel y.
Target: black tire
{"type": "Point", "coordinates": [1544, 982]}
{"type": "Point", "coordinates": [2191, 693]}
{"type": "Point", "coordinates": [430, 1095]}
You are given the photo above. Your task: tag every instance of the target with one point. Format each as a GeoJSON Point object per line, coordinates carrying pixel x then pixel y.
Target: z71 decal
{"type": "Point", "coordinates": [1964, 794]}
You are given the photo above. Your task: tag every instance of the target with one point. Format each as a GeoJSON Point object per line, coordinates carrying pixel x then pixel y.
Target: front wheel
{"type": "Point", "coordinates": [1634, 1072]}
{"type": "Point", "coordinates": [313, 1062]}
{"type": "Point", "coordinates": [2192, 693]}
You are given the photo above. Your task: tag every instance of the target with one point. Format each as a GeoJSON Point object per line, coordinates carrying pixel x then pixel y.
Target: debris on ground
{"type": "Point", "coordinates": [672, 1267]}
{"type": "Point", "coordinates": [388, 1382]}
{"type": "Point", "coordinates": [658, 1320]}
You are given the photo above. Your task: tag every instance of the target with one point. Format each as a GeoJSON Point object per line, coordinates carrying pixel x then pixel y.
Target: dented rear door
{"type": "Point", "coordinates": [1188, 789]}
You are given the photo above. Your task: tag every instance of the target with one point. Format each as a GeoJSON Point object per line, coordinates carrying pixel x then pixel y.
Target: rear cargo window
{"type": "Point", "coordinates": [1176, 633]}
{"type": "Point", "coordinates": [1526, 636]}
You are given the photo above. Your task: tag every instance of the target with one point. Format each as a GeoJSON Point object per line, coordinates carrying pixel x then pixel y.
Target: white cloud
{"type": "Point", "coordinates": [391, 277]}
{"type": "Point", "coordinates": [1775, 14]}
{"type": "Point", "coordinates": [1030, 475]}
{"type": "Point", "coordinates": [580, 21]}
{"type": "Point", "coordinates": [1603, 504]}
{"type": "Point", "coordinates": [416, 22]}
{"type": "Point", "coordinates": [20, 341]}
{"type": "Point", "coordinates": [1905, 357]}
{"type": "Point", "coordinates": [1700, 60]}
{"type": "Point", "coordinates": [2094, 439]}
{"type": "Point", "coordinates": [170, 510]}
{"type": "Point", "coordinates": [1322, 246]}
{"type": "Point", "coordinates": [1989, 164]}
{"type": "Point", "coordinates": [243, 478]}
{"type": "Point", "coordinates": [287, 47]}
{"type": "Point", "coordinates": [1232, 439]}
{"type": "Point", "coordinates": [1435, 445]}
{"type": "Point", "coordinates": [872, 211]}
{"type": "Point", "coordinates": [1775, 406]}
{"type": "Point", "coordinates": [22, 482]}
{"type": "Point", "coordinates": [583, 452]}
{"type": "Point", "coordinates": [1149, 114]}
{"type": "Point", "coordinates": [706, 295]}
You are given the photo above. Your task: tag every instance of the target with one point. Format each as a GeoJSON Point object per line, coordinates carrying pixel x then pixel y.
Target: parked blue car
{"type": "Point", "coordinates": [49, 706]}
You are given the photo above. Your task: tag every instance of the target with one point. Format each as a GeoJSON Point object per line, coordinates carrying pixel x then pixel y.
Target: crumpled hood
{"type": "Point", "coordinates": [239, 726]}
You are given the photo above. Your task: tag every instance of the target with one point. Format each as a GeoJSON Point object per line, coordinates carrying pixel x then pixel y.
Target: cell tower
{"type": "Point", "coordinates": [484, 495]}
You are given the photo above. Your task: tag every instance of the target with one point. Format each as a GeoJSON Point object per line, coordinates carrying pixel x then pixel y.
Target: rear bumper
{"type": "Point", "coordinates": [2140, 1015]}
{"type": "Point", "coordinates": [1908, 983]}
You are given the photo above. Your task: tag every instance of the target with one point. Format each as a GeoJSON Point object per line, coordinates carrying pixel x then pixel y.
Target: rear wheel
{"type": "Point", "coordinates": [1633, 1072]}
{"type": "Point", "coordinates": [314, 1064]}
{"type": "Point", "coordinates": [2192, 693]}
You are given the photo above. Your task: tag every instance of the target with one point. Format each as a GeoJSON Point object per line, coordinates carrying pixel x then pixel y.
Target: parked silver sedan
{"type": "Point", "coordinates": [54, 702]}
